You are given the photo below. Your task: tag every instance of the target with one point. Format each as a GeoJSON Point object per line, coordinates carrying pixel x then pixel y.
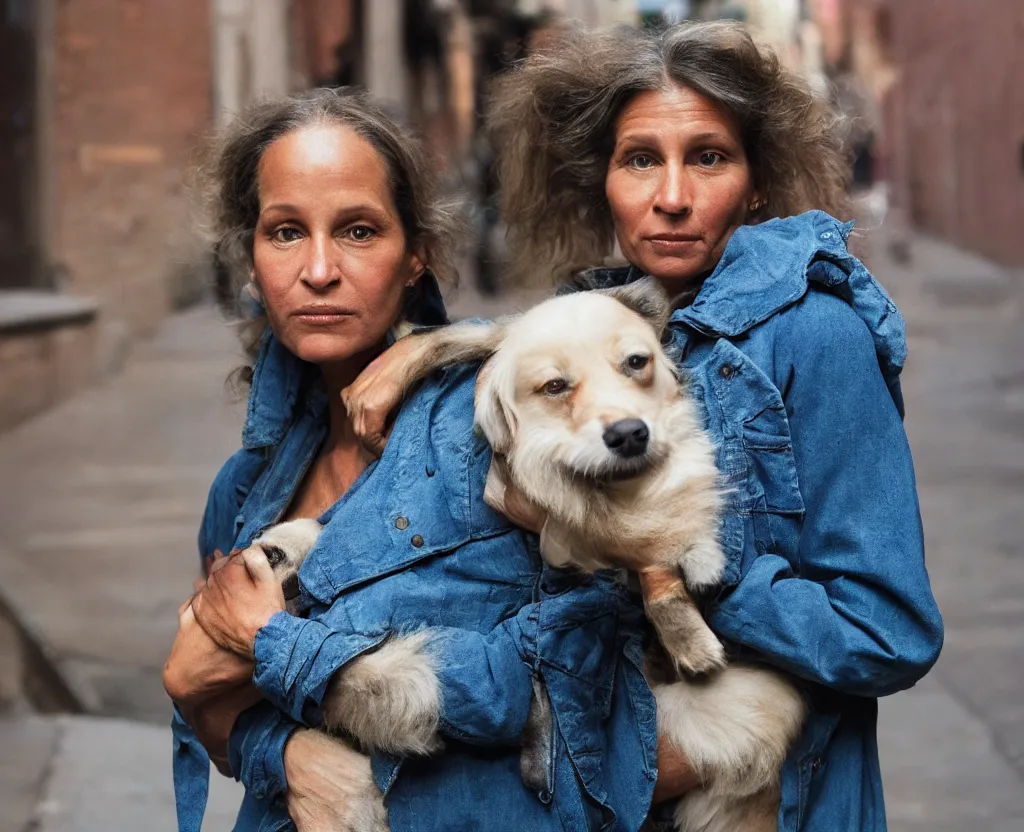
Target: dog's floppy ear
{"type": "Point", "coordinates": [646, 298]}
{"type": "Point", "coordinates": [493, 417]}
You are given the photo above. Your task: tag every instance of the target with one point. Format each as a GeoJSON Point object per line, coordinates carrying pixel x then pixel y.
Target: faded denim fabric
{"type": "Point", "coordinates": [455, 565]}
{"type": "Point", "coordinates": [794, 352]}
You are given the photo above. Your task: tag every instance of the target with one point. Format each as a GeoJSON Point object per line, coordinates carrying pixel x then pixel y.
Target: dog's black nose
{"type": "Point", "coordinates": [627, 437]}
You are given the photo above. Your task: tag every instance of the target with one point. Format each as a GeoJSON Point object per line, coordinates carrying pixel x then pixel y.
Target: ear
{"type": "Point", "coordinates": [492, 416]}
{"type": "Point", "coordinates": [647, 298]}
{"type": "Point", "coordinates": [417, 267]}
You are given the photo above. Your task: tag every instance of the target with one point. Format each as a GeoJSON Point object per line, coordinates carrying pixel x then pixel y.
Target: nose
{"type": "Point", "coordinates": [319, 271]}
{"type": "Point", "coordinates": [674, 194]}
{"type": "Point", "coordinates": [627, 437]}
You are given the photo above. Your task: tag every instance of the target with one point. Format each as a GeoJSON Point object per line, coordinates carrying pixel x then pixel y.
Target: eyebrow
{"type": "Point", "coordinates": [353, 210]}
{"type": "Point", "coordinates": [651, 138]}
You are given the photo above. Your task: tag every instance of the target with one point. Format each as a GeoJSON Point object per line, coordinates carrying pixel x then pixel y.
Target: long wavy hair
{"type": "Point", "coordinates": [552, 120]}
{"type": "Point", "coordinates": [226, 184]}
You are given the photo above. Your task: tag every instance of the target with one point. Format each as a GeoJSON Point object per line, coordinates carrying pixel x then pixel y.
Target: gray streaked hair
{"type": "Point", "coordinates": [227, 183]}
{"type": "Point", "coordinates": [553, 118]}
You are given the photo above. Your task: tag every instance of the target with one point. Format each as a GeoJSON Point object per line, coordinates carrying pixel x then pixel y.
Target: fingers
{"type": "Point", "coordinates": [257, 565]}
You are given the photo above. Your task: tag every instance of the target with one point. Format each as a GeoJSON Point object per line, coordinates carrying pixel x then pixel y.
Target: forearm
{"type": "Point", "coordinates": [197, 670]}
{"type": "Point", "coordinates": [675, 774]}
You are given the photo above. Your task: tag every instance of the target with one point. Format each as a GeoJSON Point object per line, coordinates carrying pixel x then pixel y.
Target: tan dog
{"type": "Point", "coordinates": [585, 412]}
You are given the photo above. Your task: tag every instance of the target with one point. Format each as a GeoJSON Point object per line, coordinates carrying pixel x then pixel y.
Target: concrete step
{"type": "Point", "coordinates": [48, 351]}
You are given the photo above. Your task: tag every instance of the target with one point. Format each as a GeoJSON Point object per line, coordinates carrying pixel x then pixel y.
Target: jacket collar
{"type": "Point", "coordinates": [775, 260]}
{"type": "Point", "coordinates": [769, 266]}
{"type": "Point", "coordinates": [281, 382]}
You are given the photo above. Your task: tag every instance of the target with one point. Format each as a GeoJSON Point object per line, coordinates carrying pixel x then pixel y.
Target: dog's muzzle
{"type": "Point", "coordinates": [627, 438]}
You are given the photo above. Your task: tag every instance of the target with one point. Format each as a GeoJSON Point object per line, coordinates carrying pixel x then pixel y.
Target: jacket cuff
{"type": "Point", "coordinates": [296, 658]}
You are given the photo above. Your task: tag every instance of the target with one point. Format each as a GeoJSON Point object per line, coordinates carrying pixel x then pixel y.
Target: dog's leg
{"type": "Point", "coordinates": [735, 727]}
{"type": "Point", "coordinates": [389, 700]}
{"type": "Point", "coordinates": [702, 811]}
{"type": "Point", "coordinates": [681, 628]}
{"type": "Point", "coordinates": [380, 388]}
{"type": "Point", "coordinates": [334, 789]}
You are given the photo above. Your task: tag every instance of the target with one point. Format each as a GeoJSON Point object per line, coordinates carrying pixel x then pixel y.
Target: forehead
{"type": "Point", "coordinates": [579, 325]}
{"type": "Point", "coordinates": [323, 158]}
{"type": "Point", "coordinates": [674, 112]}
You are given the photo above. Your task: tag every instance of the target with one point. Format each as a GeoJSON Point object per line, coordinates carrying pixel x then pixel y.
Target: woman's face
{"type": "Point", "coordinates": [330, 254]}
{"type": "Point", "coordinates": [678, 184]}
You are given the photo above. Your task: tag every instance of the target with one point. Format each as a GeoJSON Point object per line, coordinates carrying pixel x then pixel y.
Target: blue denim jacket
{"type": "Point", "coordinates": [453, 564]}
{"type": "Point", "coordinates": [794, 351]}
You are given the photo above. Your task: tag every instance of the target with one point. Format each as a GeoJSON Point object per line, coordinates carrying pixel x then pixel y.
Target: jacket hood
{"type": "Point", "coordinates": [770, 266]}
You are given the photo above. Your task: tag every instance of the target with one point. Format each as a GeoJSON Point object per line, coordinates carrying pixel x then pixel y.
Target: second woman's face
{"type": "Point", "coordinates": [330, 254]}
{"type": "Point", "coordinates": [678, 184]}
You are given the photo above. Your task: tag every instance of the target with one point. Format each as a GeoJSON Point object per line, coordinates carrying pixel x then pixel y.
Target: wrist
{"type": "Point", "coordinates": [260, 620]}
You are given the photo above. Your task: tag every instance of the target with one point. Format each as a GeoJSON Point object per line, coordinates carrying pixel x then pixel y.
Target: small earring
{"type": "Point", "coordinates": [755, 206]}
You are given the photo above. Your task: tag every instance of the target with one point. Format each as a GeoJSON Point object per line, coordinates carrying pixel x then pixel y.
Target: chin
{"type": "Point", "coordinates": [328, 348]}
{"type": "Point", "coordinates": [674, 272]}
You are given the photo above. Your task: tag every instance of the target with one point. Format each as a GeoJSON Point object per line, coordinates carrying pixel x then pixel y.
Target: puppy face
{"type": "Point", "coordinates": [579, 383]}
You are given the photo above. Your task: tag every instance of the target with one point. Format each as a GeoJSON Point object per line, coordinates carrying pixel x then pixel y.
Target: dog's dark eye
{"type": "Point", "coordinates": [555, 387]}
{"type": "Point", "coordinates": [638, 362]}
{"type": "Point", "coordinates": [274, 554]}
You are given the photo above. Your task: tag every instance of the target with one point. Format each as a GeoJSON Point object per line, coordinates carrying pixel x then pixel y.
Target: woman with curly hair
{"type": "Point", "coordinates": [720, 174]}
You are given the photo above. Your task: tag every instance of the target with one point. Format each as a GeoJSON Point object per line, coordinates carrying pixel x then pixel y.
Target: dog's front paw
{"type": "Point", "coordinates": [702, 654]}
{"type": "Point", "coordinates": [691, 646]}
{"type": "Point", "coordinates": [389, 700]}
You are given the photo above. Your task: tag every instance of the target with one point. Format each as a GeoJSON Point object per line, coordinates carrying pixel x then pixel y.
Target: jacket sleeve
{"type": "Point", "coordinates": [485, 678]}
{"type": "Point", "coordinates": [228, 492]}
{"type": "Point", "coordinates": [855, 611]}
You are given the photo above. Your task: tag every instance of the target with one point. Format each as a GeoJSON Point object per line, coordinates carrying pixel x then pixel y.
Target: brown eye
{"type": "Point", "coordinates": [638, 362]}
{"type": "Point", "coordinates": [555, 387]}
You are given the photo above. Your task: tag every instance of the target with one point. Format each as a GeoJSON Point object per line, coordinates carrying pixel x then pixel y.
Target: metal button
{"type": "Point", "coordinates": [417, 541]}
{"type": "Point", "coordinates": [726, 371]}
{"type": "Point", "coordinates": [401, 524]}
{"type": "Point", "coordinates": [827, 235]}
{"type": "Point", "coordinates": [816, 764]}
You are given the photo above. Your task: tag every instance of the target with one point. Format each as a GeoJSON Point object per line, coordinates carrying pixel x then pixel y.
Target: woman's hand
{"type": "Point", "coordinates": [239, 598]}
{"type": "Point", "coordinates": [379, 389]}
{"type": "Point", "coordinates": [330, 786]}
{"type": "Point", "coordinates": [675, 774]}
{"type": "Point", "coordinates": [197, 669]}
{"type": "Point", "coordinates": [210, 686]}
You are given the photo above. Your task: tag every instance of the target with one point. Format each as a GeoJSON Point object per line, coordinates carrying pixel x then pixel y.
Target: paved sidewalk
{"type": "Point", "coordinates": [85, 774]}
{"type": "Point", "coordinates": [100, 501]}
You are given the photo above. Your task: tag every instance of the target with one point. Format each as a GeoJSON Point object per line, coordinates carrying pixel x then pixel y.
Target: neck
{"type": "Point", "coordinates": [337, 376]}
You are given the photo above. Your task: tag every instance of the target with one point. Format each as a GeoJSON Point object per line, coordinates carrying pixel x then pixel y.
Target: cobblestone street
{"type": "Point", "coordinates": [101, 498]}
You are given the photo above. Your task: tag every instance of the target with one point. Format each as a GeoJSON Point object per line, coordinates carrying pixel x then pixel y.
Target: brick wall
{"type": "Point", "coordinates": [958, 115]}
{"type": "Point", "coordinates": [133, 86]}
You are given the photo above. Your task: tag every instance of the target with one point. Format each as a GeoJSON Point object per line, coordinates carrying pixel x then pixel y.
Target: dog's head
{"type": "Point", "coordinates": [581, 383]}
{"type": "Point", "coordinates": [287, 544]}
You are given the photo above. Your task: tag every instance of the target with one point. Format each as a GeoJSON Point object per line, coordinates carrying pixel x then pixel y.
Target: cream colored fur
{"type": "Point", "coordinates": [390, 699]}
{"type": "Point", "coordinates": [735, 727]}
{"type": "Point", "coordinates": [735, 724]}
{"type": "Point", "coordinates": [356, 804]}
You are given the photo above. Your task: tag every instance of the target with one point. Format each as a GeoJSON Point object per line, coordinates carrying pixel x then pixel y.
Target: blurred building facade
{"type": "Point", "coordinates": [101, 102]}
{"type": "Point", "coordinates": [935, 91]}
{"type": "Point", "coordinates": [957, 117]}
